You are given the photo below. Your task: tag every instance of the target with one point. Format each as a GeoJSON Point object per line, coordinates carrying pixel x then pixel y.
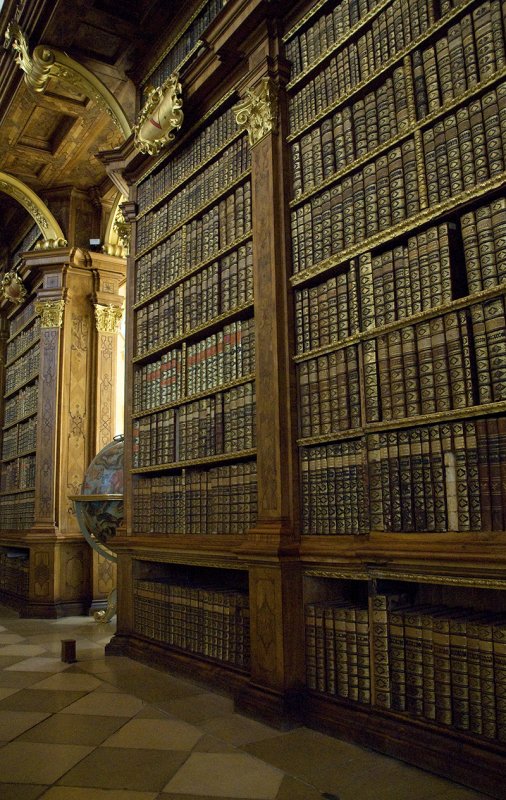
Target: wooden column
{"type": "Point", "coordinates": [272, 546]}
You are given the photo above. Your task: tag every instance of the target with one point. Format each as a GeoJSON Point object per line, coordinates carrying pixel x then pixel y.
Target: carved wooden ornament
{"type": "Point", "coordinates": [108, 318]}
{"type": "Point", "coordinates": [258, 112]}
{"type": "Point", "coordinates": [13, 288]}
{"type": "Point", "coordinates": [160, 117]}
{"type": "Point", "coordinates": [50, 312]}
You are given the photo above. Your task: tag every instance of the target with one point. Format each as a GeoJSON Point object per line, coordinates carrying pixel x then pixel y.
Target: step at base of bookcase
{"type": "Point", "coordinates": [452, 754]}
{"type": "Point", "coordinates": [214, 674]}
{"type": "Point", "coordinates": [282, 710]}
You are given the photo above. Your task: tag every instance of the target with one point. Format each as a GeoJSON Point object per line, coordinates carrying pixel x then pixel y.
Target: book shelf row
{"type": "Point", "coordinates": [24, 403]}
{"type": "Point", "coordinates": [200, 190]}
{"type": "Point", "coordinates": [206, 365]}
{"type": "Point", "coordinates": [430, 269]}
{"type": "Point", "coordinates": [201, 620]}
{"type": "Point", "coordinates": [14, 569]}
{"type": "Point", "coordinates": [185, 41]}
{"type": "Point", "coordinates": [357, 61]}
{"type": "Point", "coordinates": [189, 158]}
{"type": "Point", "coordinates": [23, 340]}
{"type": "Point", "coordinates": [193, 244]}
{"type": "Point", "coordinates": [18, 474]}
{"type": "Point", "coordinates": [218, 289]}
{"type": "Point", "coordinates": [445, 664]}
{"type": "Point", "coordinates": [23, 369]}
{"type": "Point", "coordinates": [219, 500]}
{"type": "Point", "coordinates": [21, 319]}
{"type": "Point", "coordinates": [222, 423]}
{"type": "Point", "coordinates": [19, 439]}
{"type": "Point", "coordinates": [439, 477]}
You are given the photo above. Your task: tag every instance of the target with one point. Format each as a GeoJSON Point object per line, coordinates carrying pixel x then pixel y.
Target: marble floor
{"type": "Point", "coordinates": [112, 729]}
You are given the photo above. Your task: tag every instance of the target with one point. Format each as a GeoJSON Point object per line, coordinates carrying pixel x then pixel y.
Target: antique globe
{"type": "Point", "coordinates": [99, 508]}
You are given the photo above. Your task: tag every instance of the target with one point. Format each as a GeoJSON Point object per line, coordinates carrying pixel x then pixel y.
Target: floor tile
{"type": "Point", "coordinates": [78, 793]}
{"type": "Point", "coordinates": [74, 729]}
{"type": "Point", "coordinates": [39, 700]}
{"type": "Point", "coordinates": [200, 707]}
{"type": "Point", "coordinates": [106, 704]}
{"type": "Point", "coordinates": [155, 734]}
{"type": "Point", "coordinates": [226, 775]}
{"type": "Point", "coordinates": [38, 664]}
{"type": "Point", "coordinates": [69, 682]}
{"type": "Point", "coordinates": [13, 723]}
{"type": "Point", "coordinates": [239, 730]}
{"type": "Point", "coordinates": [16, 791]}
{"type": "Point", "coordinates": [24, 650]}
{"type": "Point", "coordinates": [292, 789]}
{"type": "Point", "coordinates": [31, 762]}
{"type": "Point", "coordinates": [211, 744]}
{"type": "Point", "coordinates": [20, 680]}
{"type": "Point", "coordinates": [116, 768]}
{"type": "Point", "coordinates": [8, 661]}
{"type": "Point", "coordinates": [9, 638]}
{"type": "Point", "coordinates": [5, 691]}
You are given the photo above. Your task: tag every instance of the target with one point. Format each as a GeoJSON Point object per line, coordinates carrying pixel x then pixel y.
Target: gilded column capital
{"type": "Point", "coordinates": [50, 312]}
{"type": "Point", "coordinates": [258, 111]}
{"type": "Point", "coordinates": [108, 318]}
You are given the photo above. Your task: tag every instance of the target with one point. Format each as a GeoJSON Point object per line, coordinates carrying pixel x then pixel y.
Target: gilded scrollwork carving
{"type": "Point", "coordinates": [161, 116]}
{"type": "Point", "coordinates": [13, 288]}
{"type": "Point", "coordinates": [108, 318]}
{"type": "Point", "coordinates": [258, 111]}
{"type": "Point", "coordinates": [50, 312]}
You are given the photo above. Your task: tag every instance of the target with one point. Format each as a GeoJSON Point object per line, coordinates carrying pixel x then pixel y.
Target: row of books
{"type": "Point", "coordinates": [23, 403]}
{"type": "Point", "coordinates": [19, 439]}
{"type": "Point", "coordinates": [23, 369]}
{"type": "Point", "coordinates": [338, 660]}
{"type": "Point", "coordinates": [469, 51]}
{"type": "Point", "coordinates": [18, 511]}
{"type": "Point", "coordinates": [213, 180]}
{"type": "Point", "coordinates": [350, 133]}
{"type": "Point", "coordinates": [466, 147]}
{"type": "Point", "coordinates": [484, 242]}
{"type": "Point", "coordinates": [387, 34]}
{"type": "Point", "coordinates": [381, 194]}
{"type": "Point", "coordinates": [424, 272]}
{"type": "Point", "coordinates": [203, 620]}
{"type": "Point", "coordinates": [18, 474]}
{"type": "Point", "coordinates": [14, 569]}
{"type": "Point", "coordinates": [184, 44]}
{"type": "Point", "coordinates": [220, 500]}
{"type": "Point", "coordinates": [333, 492]}
{"type": "Point", "coordinates": [489, 334]}
{"type": "Point", "coordinates": [205, 365]}
{"type": "Point", "coordinates": [222, 286]}
{"type": "Point", "coordinates": [420, 369]}
{"type": "Point", "coordinates": [23, 340]}
{"type": "Point", "coordinates": [448, 476]}
{"type": "Point", "coordinates": [194, 243]}
{"type": "Point", "coordinates": [186, 160]}
{"type": "Point", "coordinates": [445, 664]}
{"type": "Point", "coordinates": [222, 423]}
{"type": "Point", "coordinates": [329, 393]}
{"type": "Point", "coordinates": [21, 318]}
{"type": "Point", "coordinates": [329, 311]}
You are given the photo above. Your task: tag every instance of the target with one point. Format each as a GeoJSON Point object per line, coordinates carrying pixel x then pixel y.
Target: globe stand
{"type": "Point", "coordinates": [98, 516]}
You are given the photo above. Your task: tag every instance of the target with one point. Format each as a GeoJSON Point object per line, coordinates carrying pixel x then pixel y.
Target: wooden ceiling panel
{"type": "Point", "coordinates": [45, 130]}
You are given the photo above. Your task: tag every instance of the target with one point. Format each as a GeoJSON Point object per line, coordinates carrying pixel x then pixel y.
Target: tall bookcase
{"type": "Point", "coordinates": [58, 388]}
{"type": "Point", "coordinates": [367, 552]}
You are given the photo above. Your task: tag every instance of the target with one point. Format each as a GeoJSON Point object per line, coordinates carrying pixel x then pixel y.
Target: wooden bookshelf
{"type": "Point", "coordinates": [58, 365]}
{"type": "Point", "coordinates": [378, 219]}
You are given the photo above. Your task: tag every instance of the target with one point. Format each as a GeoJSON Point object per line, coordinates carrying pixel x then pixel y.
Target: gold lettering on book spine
{"type": "Point", "coordinates": [108, 318]}
{"type": "Point", "coordinates": [50, 312]}
{"type": "Point", "coordinates": [258, 112]}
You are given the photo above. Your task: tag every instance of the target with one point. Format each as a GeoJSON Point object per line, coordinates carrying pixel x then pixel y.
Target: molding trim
{"type": "Point", "coordinates": [40, 213]}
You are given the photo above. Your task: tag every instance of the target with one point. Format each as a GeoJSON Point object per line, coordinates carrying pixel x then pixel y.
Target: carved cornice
{"type": "Point", "coordinates": [50, 312]}
{"type": "Point", "coordinates": [108, 318]}
{"type": "Point", "coordinates": [160, 117]}
{"type": "Point", "coordinates": [258, 111]}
